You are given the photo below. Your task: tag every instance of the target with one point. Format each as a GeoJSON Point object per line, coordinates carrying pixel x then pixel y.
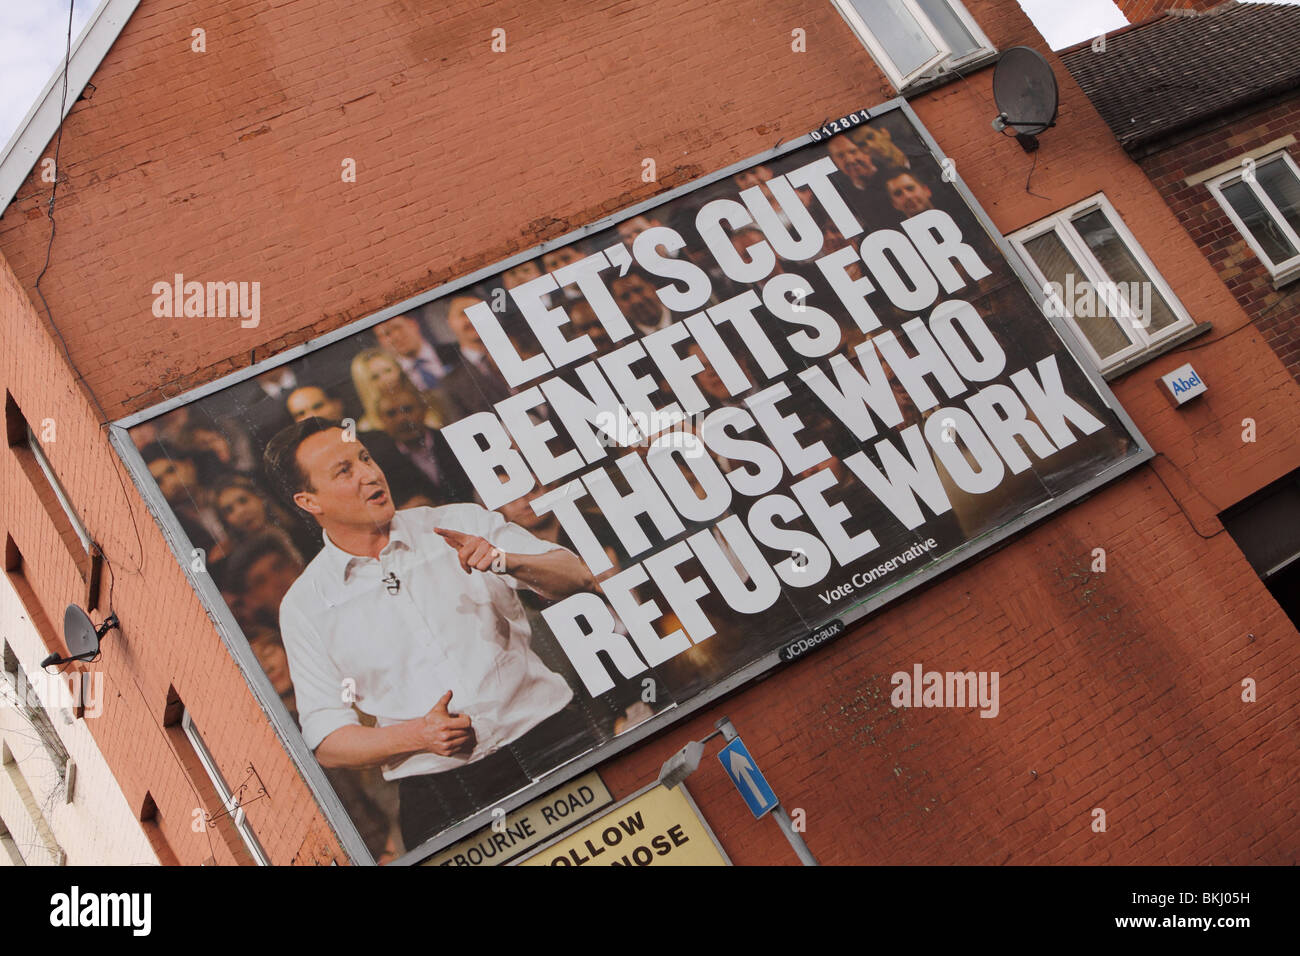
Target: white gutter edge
{"type": "Point", "coordinates": [38, 128]}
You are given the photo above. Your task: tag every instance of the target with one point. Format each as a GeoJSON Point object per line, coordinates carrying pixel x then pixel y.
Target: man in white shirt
{"type": "Point", "coordinates": [414, 616]}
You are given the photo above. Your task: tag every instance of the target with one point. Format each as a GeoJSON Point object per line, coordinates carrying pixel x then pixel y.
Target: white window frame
{"type": "Point", "coordinates": [941, 62]}
{"type": "Point", "coordinates": [1140, 339]}
{"type": "Point", "coordinates": [1284, 271]}
{"type": "Point", "coordinates": [228, 801]}
{"type": "Point", "coordinates": [48, 470]}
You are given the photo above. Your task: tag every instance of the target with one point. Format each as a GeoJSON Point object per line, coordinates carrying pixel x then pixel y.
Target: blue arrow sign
{"type": "Point", "coordinates": [744, 773]}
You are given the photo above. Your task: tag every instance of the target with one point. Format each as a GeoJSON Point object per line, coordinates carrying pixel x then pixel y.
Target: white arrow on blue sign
{"type": "Point", "coordinates": [744, 773]}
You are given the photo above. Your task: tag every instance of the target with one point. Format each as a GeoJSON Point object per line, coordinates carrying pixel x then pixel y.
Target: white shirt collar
{"type": "Point", "coordinates": [341, 566]}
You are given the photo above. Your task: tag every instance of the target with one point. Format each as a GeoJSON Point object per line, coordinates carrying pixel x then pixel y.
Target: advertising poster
{"type": "Point", "coordinates": [488, 536]}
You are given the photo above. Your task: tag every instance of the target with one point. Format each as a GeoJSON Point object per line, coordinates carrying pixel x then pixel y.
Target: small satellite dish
{"type": "Point", "coordinates": [81, 635]}
{"type": "Point", "coordinates": [1024, 89]}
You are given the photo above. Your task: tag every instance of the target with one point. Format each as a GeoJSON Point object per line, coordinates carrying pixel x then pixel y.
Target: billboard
{"type": "Point", "coordinates": [490, 536]}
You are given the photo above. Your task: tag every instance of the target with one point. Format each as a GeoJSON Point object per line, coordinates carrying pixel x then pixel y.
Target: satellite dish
{"type": "Point", "coordinates": [1024, 89]}
{"type": "Point", "coordinates": [81, 635]}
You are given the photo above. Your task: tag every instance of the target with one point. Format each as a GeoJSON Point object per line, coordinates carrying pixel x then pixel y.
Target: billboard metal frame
{"type": "Point", "coordinates": [284, 725]}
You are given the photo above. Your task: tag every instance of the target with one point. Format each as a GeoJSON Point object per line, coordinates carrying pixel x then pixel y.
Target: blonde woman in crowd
{"type": "Point", "coordinates": [374, 372]}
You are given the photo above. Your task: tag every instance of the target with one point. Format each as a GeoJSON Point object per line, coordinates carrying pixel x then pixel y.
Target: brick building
{"type": "Point", "coordinates": [1196, 100]}
{"type": "Point", "coordinates": [1206, 100]}
{"type": "Point", "coordinates": [209, 143]}
{"type": "Point", "coordinates": [59, 802]}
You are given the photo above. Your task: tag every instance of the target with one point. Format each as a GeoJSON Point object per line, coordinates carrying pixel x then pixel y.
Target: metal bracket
{"type": "Point", "coordinates": [238, 795]}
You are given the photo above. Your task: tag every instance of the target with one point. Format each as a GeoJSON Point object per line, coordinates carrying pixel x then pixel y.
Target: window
{"type": "Point", "coordinates": [1099, 280]}
{"type": "Point", "coordinates": [1266, 527]}
{"type": "Point", "coordinates": [18, 693]}
{"type": "Point", "coordinates": [59, 493]}
{"type": "Point", "coordinates": [229, 801]}
{"type": "Point", "coordinates": [1263, 201]}
{"type": "Point", "coordinates": [153, 832]}
{"type": "Point", "coordinates": [9, 846]}
{"type": "Point", "coordinates": [36, 837]}
{"type": "Point", "coordinates": [26, 444]}
{"type": "Point", "coordinates": [915, 39]}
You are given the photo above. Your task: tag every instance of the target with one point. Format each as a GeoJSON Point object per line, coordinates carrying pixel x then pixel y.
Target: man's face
{"type": "Point", "coordinates": [461, 326]}
{"type": "Point", "coordinates": [400, 334]}
{"type": "Point", "coordinates": [312, 402]}
{"type": "Point", "coordinates": [583, 318]}
{"type": "Point", "coordinates": [743, 239]}
{"type": "Point", "coordinates": [401, 415]}
{"type": "Point", "coordinates": [344, 485]}
{"type": "Point", "coordinates": [268, 580]}
{"type": "Point", "coordinates": [709, 381]}
{"type": "Point", "coordinates": [520, 511]}
{"type": "Point", "coordinates": [637, 298]}
{"type": "Point", "coordinates": [213, 442]}
{"type": "Point", "coordinates": [879, 145]}
{"type": "Point", "coordinates": [909, 196]}
{"type": "Point", "coordinates": [833, 239]}
{"type": "Point", "coordinates": [174, 477]}
{"type": "Point", "coordinates": [559, 258]}
{"type": "Point", "coordinates": [275, 663]}
{"type": "Point", "coordinates": [241, 510]}
{"type": "Point", "coordinates": [629, 229]}
{"type": "Point", "coordinates": [524, 272]}
{"type": "Point", "coordinates": [756, 176]}
{"type": "Point", "coordinates": [238, 607]}
{"type": "Point", "coordinates": [852, 161]}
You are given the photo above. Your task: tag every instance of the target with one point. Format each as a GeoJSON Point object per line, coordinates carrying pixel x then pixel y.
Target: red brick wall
{"type": "Point", "coordinates": [1275, 312]}
{"type": "Point", "coordinates": [166, 638]}
{"type": "Point", "coordinates": [1139, 10]}
{"type": "Point", "coordinates": [1120, 690]}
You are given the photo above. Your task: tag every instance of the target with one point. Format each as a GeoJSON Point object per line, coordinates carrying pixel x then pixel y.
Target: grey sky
{"type": "Point", "coordinates": [33, 36]}
{"type": "Point", "coordinates": [1066, 22]}
{"type": "Point", "coordinates": [33, 33]}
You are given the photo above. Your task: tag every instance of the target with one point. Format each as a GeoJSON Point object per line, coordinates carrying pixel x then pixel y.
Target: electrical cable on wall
{"type": "Point", "coordinates": [49, 250]}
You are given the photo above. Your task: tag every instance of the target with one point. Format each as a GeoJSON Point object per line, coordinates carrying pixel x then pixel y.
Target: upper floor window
{"type": "Point", "coordinates": [73, 518]}
{"type": "Point", "coordinates": [1263, 200]}
{"type": "Point", "coordinates": [1099, 280]}
{"type": "Point", "coordinates": [230, 800]}
{"type": "Point", "coordinates": [23, 439]}
{"type": "Point", "coordinates": [915, 39]}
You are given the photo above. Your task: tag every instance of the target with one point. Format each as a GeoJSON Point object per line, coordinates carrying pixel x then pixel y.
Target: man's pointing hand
{"type": "Point", "coordinates": [475, 553]}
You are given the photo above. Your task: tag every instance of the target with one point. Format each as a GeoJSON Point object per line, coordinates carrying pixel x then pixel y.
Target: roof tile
{"type": "Point", "coordinates": [1173, 72]}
